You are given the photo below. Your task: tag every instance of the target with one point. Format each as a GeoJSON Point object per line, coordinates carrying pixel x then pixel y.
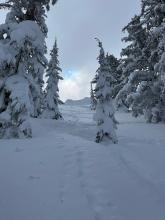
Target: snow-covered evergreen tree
{"type": "Point", "coordinates": [142, 64]}
{"type": "Point", "coordinates": [133, 59]}
{"type": "Point", "coordinates": [116, 84]}
{"type": "Point", "coordinates": [52, 100]}
{"type": "Point", "coordinates": [116, 72]}
{"type": "Point", "coordinates": [151, 95]}
{"type": "Point", "coordinates": [159, 34]}
{"type": "Point", "coordinates": [93, 98]}
{"type": "Point", "coordinates": [22, 63]}
{"type": "Point", "coordinates": [104, 115]}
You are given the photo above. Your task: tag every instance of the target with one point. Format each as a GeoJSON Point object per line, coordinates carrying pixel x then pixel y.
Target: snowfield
{"type": "Point", "coordinates": [62, 174]}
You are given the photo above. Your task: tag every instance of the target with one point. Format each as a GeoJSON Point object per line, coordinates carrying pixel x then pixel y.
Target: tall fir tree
{"type": "Point", "coordinates": [133, 59]}
{"type": "Point", "coordinates": [143, 89]}
{"type": "Point", "coordinates": [104, 116]}
{"type": "Point", "coordinates": [149, 94]}
{"type": "Point", "coordinates": [113, 64]}
{"type": "Point", "coordinates": [52, 91]}
{"type": "Point", "coordinates": [116, 72]}
{"type": "Point", "coordinates": [93, 98]}
{"type": "Point", "coordinates": [22, 64]}
{"type": "Point", "coordinates": [157, 10]}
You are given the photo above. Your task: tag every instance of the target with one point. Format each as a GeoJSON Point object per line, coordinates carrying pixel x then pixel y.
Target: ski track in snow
{"type": "Point", "coordinates": [64, 175]}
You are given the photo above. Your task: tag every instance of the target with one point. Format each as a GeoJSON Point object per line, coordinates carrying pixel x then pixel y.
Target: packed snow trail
{"type": "Point", "coordinates": [61, 174]}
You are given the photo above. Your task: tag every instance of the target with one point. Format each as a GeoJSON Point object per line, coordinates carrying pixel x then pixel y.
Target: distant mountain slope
{"type": "Point", "coordinates": [84, 101]}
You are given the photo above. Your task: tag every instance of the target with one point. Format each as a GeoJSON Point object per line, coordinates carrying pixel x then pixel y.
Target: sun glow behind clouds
{"type": "Point", "coordinates": [76, 85]}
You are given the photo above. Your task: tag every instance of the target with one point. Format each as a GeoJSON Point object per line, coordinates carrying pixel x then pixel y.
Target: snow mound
{"type": "Point", "coordinates": [63, 174]}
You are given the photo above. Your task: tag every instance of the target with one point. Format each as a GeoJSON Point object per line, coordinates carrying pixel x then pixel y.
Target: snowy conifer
{"type": "Point", "coordinates": [104, 116]}
{"type": "Point", "coordinates": [116, 73]}
{"type": "Point", "coordinates": [159, 33]}
{"type": "Point", "coordinates": [149, 95]}
{"type": "Point", "coordinates": [22, 63]}
{"type": "Point", "coordinates": [133, 59]}
{"type": "Point", "coordinates": [52, 100]}
{"type": "Point", "coordinates": [142, 63]}
{"type": "Point", "coordinates": [93, 98]}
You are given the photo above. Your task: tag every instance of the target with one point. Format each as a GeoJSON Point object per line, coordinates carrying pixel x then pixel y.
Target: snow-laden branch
{"type": "Point", "coordinates": [5, 5]}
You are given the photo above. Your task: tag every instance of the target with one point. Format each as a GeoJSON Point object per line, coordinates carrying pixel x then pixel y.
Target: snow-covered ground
{"type": "Point", "coordinates": [62, 174]}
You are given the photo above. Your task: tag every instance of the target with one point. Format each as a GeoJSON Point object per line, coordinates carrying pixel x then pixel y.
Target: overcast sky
{"type": "Point", "coordinates": [75, 24]}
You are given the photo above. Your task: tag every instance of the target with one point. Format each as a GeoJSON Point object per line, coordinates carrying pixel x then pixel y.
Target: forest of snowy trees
{"type": "Point", "coordinates": [135, 82]}
{"type": "Point", "coordinates": [22, 66]}
{"type": "Point", "coordinates": [101, 156]}
{"type": "Point", "coordinates": [137, 79]}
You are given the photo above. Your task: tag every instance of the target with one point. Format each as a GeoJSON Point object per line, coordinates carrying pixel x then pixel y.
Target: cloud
{"type": "Point", "coordinates": [75, 87]}
{"type": "Point", "coordinates": [75, 34]}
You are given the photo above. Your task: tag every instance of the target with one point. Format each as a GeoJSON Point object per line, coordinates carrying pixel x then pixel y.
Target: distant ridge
{"type": "Point", "coordinates": [84, 101]}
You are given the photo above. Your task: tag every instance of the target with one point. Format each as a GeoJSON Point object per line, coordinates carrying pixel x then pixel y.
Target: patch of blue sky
{"type": "Point", "coordinates": [68, 74]}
